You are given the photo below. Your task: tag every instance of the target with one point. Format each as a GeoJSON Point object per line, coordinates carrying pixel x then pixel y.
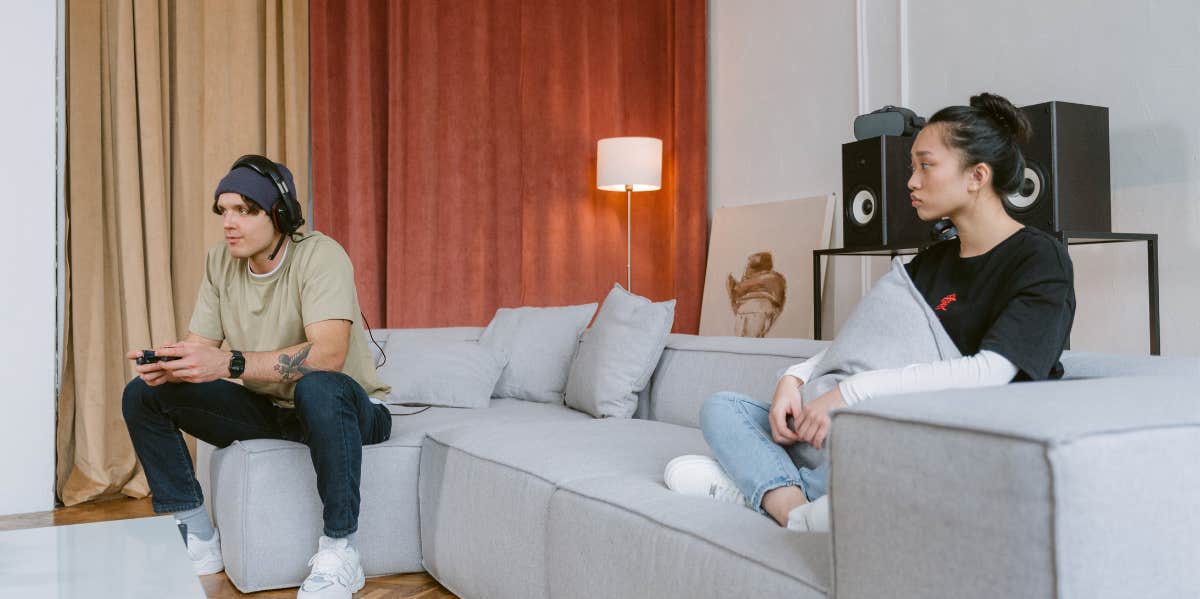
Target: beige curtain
{"type": "Point", "coordinates": [162, 96]}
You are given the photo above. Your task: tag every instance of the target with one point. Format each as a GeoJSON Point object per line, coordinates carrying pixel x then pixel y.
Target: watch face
{"type": "Point", "coordinates": [237, 364]}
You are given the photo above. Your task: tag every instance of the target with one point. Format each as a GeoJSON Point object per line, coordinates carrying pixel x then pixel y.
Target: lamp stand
{"type": "Point", "coordinates": [629, 238]}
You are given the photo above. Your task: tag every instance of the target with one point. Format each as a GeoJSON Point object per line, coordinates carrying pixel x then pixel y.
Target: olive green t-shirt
{"type": "Point", "coordinates": [313, 282]}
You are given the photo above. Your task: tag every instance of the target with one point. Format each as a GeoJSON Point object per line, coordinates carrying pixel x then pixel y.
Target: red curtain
{"type": "Point", "coordinates": [454, 152]}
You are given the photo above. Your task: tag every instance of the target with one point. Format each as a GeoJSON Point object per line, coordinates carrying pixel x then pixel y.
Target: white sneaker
{"type": "Point", "coordinates": [205, 555]}
{"type": "Point", "coordinates": [336, 572]}
{"type": "Point", "coordinates": [810, 517]}
{"type": "Point", "coordinates": [702, 476]}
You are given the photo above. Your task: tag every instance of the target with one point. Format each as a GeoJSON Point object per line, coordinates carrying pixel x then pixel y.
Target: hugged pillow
{"type": "Point", "coordinates": [540, 344]}
{"type": "Point", "coordinates": [456, 374]}
{"type": "Point", "coordinates": [618, 355]}
{"type": "Point", "coordinates": [891, 327]}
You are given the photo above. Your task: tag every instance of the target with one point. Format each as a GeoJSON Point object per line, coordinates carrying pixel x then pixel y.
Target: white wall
{"type": "Point", "coordinates": [28, 184]}
{"type": "Point", "coordinates": [782, 93]}
{"type": "Point", "coordinates": [1140, 60]}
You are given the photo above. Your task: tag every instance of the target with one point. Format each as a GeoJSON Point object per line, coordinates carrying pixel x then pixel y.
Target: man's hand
{"type": "Point", "coordinates": [812, 425]}
{"type": "Point", "coordinates": [786, 403]}
{"type": "Point", "coordinates": [153, 374]}
{"type": "Point", "coordinates": [197, 363]}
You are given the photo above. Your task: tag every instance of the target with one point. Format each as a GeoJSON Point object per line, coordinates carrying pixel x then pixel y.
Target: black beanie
{"type": "Point", "coordinates": [255, 187]}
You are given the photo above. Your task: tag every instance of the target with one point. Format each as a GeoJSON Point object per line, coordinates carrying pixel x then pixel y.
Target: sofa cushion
{"type": "Point", "coordinates": [561, 451]}
{"type": "Point", "coordinates": [540, 343]}
{"type": "Point", "coordinates": [410, 430]}
{"type": "Point", "coordinates": [1079, 364]}
{"type": "Point", "coordinates": [264, 499]}
{"type": "Point", "coordinates": [673, 545]}
{"type": "Point", "coordinates": [482, 524]}
{"type": "Point", "coordinates": [1085, 488]}
{"type": "Point", "coordinates": [389, 341]}
{"type": "Point", "coordinates": [618, 354]}
{"type": "Point", "coordinates": [263, 495]}
{"type": "Point", "coordinates": [459, 374]}
{"type": "Point", "coordinates": [612, 469]}
{"type": "Point", "coordinates": [693, 368]}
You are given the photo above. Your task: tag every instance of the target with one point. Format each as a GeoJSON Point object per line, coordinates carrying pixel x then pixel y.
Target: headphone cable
{"type": "Point", "coordinates": [382, 354]}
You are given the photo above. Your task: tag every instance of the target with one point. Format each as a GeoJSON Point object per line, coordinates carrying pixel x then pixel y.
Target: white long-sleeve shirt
{"type": "Point", "coordinates": [984, 369]}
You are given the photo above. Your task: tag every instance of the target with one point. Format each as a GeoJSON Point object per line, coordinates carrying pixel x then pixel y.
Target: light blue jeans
{"type": "Point", "coordinates": [737, 429]}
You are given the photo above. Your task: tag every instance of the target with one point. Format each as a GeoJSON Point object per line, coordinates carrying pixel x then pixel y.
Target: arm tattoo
{"type": "Point", "coordinates": [293, 367]}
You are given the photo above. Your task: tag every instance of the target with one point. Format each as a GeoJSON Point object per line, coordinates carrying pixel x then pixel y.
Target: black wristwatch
{"type": "Point", "coordinates": [237, 364]}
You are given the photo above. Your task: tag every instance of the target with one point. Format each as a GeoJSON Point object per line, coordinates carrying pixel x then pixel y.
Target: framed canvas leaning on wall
{"type": "Point", "coordinates": [758, 282]}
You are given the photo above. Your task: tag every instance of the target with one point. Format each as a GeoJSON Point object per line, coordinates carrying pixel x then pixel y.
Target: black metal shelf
{"type": "Point", "coordinates": [1068, 238]}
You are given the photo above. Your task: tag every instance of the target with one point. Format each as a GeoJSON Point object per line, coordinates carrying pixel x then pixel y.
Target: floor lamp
{"type": "Point", "coordinates": [629, 164]}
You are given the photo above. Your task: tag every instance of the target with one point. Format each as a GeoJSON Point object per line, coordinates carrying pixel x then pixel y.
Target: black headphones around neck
{"type": "Point", "coordinates": [943, 230]}
{"type": "Point", "coordinates": [285, 210]}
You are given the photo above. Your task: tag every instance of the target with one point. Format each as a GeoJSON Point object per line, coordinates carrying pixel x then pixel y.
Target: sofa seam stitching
{"type": "Point", "coordinates": [420, 549]}
{"type": "Point", "coordinates": [243, 508]}
{"type": "Point", "coordinates": [292, 445]}
{"type": "Point", "coordinates": [833, 571]}
{"type": "Point", "coordinates": [1055, 557]}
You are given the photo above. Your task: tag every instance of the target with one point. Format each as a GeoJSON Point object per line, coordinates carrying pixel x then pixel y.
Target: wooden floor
{"type": "Point", "coordinates": [399, 586]}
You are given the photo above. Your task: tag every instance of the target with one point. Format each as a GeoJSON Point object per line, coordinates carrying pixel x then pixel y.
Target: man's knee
{"type": "Point", "coordinates": [134, 397]}
{"type": "Point", "coordinates": [321, 391]}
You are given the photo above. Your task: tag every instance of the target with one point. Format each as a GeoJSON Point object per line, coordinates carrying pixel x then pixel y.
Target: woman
{"type": "Point", "coordinates": [1003, 292]}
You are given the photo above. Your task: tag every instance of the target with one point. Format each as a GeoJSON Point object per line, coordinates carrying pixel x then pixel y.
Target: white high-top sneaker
{"type": "Point", "coordinates": [336, 572]}
{"type": "Point", "coordinates": [205, 555]}
{"type": "Point", "coordinates": [702, 476]}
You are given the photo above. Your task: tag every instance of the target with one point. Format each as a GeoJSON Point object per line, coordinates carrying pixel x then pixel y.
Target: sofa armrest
{"type": "Point", "coordinates": [1061, 489]}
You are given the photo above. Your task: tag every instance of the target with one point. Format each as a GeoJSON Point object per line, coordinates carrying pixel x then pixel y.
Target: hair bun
{"type": "Point", "coordinates": [1010, 119]}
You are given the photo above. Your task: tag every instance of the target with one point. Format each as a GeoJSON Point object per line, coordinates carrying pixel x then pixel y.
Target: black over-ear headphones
{"type": "Point", "coordinates": [943, 230]}
{"type": "Point", "coordinates": [285, 210]}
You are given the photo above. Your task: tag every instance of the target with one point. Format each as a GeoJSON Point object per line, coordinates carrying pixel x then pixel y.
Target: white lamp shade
{"type": "Point", "coordinates": [633, 161]}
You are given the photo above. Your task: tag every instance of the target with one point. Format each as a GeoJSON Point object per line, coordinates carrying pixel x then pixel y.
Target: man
{"type": "Point", "coordinates": [286, 305]}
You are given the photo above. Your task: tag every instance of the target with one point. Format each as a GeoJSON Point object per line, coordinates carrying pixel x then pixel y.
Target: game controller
{"type": "Point", "coordinates": [148, 357]}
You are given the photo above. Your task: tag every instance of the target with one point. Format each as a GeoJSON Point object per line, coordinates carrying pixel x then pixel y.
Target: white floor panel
{"type": "Point", "coordinates": [127, 559]}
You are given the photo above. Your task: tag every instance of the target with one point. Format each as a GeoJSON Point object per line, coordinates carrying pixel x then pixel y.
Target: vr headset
{"type": "Point", "coordinates": [889, 120]}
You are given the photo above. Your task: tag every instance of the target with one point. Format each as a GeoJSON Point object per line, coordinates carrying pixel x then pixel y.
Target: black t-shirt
{"type": "Point", "coordinates": [1017, 300]}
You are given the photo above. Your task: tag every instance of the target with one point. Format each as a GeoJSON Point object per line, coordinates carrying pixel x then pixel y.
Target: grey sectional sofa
{"type": "Point", "coordinates": [1066, 489]}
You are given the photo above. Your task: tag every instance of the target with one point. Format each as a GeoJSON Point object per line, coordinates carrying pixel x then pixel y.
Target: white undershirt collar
{"type": "Point", "coordinates": [286, 244]}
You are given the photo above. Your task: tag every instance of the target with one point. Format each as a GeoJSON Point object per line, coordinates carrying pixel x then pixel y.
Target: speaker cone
{"type": "Point", "coordinates": [1030, 191]}
{"type": "Point", "coordinates": [863, 207]}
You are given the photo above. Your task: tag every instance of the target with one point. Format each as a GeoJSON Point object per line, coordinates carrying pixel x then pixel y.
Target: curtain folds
{"type": "Point", "coordinates": [454, 149]}
{"type": "Point", "coordinates": [162, 96]}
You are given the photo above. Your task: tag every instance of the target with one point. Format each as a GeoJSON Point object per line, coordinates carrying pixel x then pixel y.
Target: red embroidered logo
{"type": "Point", "coordinates": [946, 301]}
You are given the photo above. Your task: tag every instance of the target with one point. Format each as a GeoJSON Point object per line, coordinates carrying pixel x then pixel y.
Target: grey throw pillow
{"type": "Point", "coordinates": [891, 327]}
{"type": "Point", "coordinates": [540, 343]}
{"type": "Point", "coordinates": [618, 355]}
{"type": "Point", "coordinates": [456, 374]}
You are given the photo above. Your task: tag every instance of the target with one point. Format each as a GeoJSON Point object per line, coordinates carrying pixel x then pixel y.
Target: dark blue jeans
{"type": "Point", "coordinates": [333, 416]}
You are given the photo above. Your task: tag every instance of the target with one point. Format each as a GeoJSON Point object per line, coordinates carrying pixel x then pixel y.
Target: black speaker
{"type": "Point", "coordinates": [876, 209]}
{"type": "Point", "coordinates": [1067, 182]}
